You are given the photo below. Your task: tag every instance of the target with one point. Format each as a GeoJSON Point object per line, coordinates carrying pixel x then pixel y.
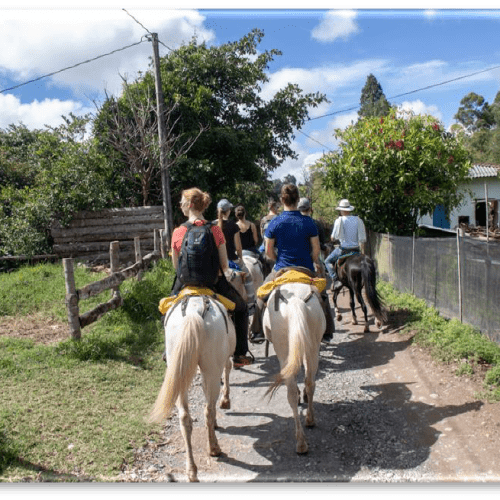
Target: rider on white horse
{"type": "Point", "coordinates": [295, 237]}
{"type": "Point", "coordinates": [193, 204]}
{"type": "Point", "coordinates": [350, 231]}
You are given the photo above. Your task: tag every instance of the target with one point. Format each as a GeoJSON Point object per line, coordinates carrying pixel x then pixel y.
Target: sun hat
{"type": "Point", "coordinates": [345, 205]}
{"type": "Point", "coordinates": [224, 205]}
{"type": "Point", "coordinates": [304, 204]}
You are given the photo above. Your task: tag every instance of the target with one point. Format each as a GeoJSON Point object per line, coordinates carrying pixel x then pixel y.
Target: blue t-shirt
{"type": "Point", "coordinates": [292, 233]}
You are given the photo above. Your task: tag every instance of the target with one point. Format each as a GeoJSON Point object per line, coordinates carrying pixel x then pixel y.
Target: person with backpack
{"type": "Point", "coordinates": [200, 258]}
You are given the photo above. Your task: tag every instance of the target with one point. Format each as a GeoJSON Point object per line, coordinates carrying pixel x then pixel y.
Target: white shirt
{"type": "Point", "coordinates": [349, 230]}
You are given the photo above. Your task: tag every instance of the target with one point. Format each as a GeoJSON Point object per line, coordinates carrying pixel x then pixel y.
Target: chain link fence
{"type": "Point", "coordinates": [457, 275]}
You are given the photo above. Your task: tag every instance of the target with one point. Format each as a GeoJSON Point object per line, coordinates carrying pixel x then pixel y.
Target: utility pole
{"type": "Point", "coordinates": [165, 177]}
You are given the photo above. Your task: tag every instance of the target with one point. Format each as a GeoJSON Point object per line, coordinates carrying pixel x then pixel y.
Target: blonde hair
{"type": "Point", "coordinates": [198, 198]}
{"type": "Point", "coordinates": [220, 214]}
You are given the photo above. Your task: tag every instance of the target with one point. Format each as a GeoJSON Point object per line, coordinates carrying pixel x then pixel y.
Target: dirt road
{"type": "Point", "coordinates": [385, 412]}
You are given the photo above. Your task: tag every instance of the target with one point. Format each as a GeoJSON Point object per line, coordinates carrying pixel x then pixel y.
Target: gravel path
{"type": "Point", "coordinates": [378, 419]}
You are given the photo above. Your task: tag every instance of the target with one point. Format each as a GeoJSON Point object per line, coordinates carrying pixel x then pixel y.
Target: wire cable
{"type": "Point", "coordinates": [410, 92]}
{"type": "Point", "coordinates": [71, 67]}
{"type": "Point", "coordinates": [144, 27]}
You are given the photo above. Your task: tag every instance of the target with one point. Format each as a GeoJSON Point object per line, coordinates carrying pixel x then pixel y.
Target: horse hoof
{"type": "Point", "coordinates": [339, 317]}
{"type": "Point", "coordinates": [302, 449]}
{"type": "Point", "coordinates": [225, 404]}
{"type": "Point", "coordinates": [310, 424]}
{"type": "Point", "coordinates": [354, 322]}
{"type": "Point", "coordinates": [367, 329]}
{"type": "Point", "coordinates": [215, 452]}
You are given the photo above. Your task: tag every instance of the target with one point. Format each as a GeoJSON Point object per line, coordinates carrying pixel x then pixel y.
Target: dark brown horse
{"type": "Point", "coordinates": [354, 272]}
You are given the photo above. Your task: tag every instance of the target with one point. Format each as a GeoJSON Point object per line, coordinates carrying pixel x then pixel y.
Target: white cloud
{"type": "Point", "coordinates": [38, 42]}
{"type": "Point", "coordinates": [326, 135]}
{"type": "Point", "coordinates": [430, 14]}
{"type": "Point", "coordinates": [336, 24]}
{"type": "Point", "coordinates": [419, 108]}
{"type": "Point", "coordinates": [327, 79]}
{"type": "Point", "coordinates": [36, 114]}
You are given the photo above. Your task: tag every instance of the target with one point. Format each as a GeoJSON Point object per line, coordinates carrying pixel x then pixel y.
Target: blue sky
{"type": "Point", "coordinates": [330, 51]}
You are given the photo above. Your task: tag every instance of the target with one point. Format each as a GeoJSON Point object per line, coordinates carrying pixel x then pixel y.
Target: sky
{"type": "Point", "coordinates": [449, 50]}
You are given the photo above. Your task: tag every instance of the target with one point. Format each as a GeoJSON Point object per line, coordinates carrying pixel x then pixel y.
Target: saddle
{"type": "Point", "coordinates": [168, 304]}
{"type": "Point", "coordinates": [348, 253]}
{"type": "Point", "coordinates": [291, 275]}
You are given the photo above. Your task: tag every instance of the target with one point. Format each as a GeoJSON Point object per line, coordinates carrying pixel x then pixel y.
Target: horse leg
{"type": "Point", "coordinates": [211, 387]}
{"type": "Point", "coordinates": [292, 401]}
{"type": "Point", "coordinates": [311, 367]}
{"type": "Point", "coordinates": [359, 296]}
{"type": "Point", "coordinates": [353, 307]}
{"type": "Point", "coordinates": [225, 403]}
{"type": "Point", "coordinates": [335, 295]}
{"type": "Point", "coordinates": [186, 431]}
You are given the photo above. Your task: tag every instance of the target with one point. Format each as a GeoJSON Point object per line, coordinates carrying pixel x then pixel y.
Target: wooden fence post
{"type": "Point", "coordinates": [114, 260]}
{"type": "Point", "coordinates": [163, 236]}
{"type": "Point", "coordinates": [138, 256]}
{"type": "Point", "coordinates": [72, 299]}
{"type": "Point", "coordinates": [157, 238]}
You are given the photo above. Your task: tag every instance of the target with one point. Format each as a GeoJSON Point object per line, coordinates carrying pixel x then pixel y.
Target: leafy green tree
{"type": "Point", "coordinates": [475, 113]}
{"type": "Point", "coordinates": [218, 88]}
{"type": "Point", "coordinates": [373, 101]}
{"type": "Point", "coordinates": [396, 169]}
{"type": "Point", "coordinates": [66, 174]}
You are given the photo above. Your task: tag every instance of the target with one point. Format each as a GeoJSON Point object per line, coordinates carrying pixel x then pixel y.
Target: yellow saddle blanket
{"type": "Point", "coordinates": [168, 302]}
{"type": "Point", "coordinates": [290, 277]}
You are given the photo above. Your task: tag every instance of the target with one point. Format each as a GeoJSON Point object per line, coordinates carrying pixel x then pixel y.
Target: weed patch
{"type": "Point", "coordinates": [448, 340]}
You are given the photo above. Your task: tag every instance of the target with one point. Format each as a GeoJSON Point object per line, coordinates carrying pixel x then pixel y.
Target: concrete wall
{"type": "Point", "coordinates": [468, 205]}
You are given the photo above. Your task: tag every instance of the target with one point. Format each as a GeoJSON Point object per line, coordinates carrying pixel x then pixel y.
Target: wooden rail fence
{"type": "Point", "coordinates": [89, 234]}
{"type": "Point", "coordinates": [73, 296]}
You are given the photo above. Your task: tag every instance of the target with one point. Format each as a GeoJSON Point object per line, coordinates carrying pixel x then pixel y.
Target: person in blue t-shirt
{"type": "Point", "coordinates": [291, 241]}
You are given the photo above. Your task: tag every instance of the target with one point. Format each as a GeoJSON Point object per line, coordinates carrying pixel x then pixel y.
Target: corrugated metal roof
{"type": "Point", "coordinates": [483, 170]}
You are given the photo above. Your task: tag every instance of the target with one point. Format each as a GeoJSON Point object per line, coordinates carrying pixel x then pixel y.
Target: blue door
{"type": "Point", "coordinates": [439, 218]}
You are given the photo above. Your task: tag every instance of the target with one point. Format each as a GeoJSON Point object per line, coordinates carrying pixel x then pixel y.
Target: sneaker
{"type": "Point", "coordinates": [327, 339]}
{"type": "Point", "coordinates": [239, 361]}
{"type": "Point", "coordinates": [257, 338]}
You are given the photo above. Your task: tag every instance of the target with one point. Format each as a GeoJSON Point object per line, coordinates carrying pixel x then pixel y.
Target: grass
{"type": "Point", "coordinates": [77, 408]}
{"type": "Point", "coordinates": [448, 340]}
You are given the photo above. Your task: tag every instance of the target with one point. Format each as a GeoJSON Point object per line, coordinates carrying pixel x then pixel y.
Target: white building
{"type": "Point", "coordinates": [485, 184]}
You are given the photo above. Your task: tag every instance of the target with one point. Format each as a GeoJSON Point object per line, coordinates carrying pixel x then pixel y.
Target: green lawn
{"type": "Point", "coordinates": [79, 406]}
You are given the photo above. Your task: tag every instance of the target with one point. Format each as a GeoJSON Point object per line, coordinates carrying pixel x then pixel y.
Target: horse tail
{"type": "Point", "coordinates": [299, 343]}
{"type": "Point", "coordinates": [368, 272]}
{"type": "Point", "coordinates": [181, 369]}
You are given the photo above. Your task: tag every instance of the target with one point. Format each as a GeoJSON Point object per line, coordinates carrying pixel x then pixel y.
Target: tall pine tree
{"type": "Point", "coordinates": [373, 101]}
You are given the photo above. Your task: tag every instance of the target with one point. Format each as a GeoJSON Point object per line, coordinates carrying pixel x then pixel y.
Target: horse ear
{"type": "Point", "coordinates": [243, 275]}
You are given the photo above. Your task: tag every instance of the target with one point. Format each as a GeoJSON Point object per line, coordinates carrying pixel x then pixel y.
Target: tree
{"type": "Point", "coordinates": [475, 113]}
{"type": "Point", "coordinates": [61, 173]}
{"type": "Point", "coordinates": [218, 87]}
{"type": "Point", "coordinates": [131, 123]}
{"type": "Point", "coordinates": [373, 101]}
{"type": "Point", "coordinates": [396, 169]}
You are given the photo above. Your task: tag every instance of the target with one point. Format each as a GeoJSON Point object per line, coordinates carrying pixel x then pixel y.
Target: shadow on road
{"type": "Point", "coordinates": [387, 432]}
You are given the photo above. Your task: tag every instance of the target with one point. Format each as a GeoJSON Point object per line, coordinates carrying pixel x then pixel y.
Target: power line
{"type": "Point", "coordinates": [144, 27]}
{"type": "Point", "coordinates": [410, 92]}
{"type": "Point", "coordinates": [313, 139]}
{"type": "Point", "coordinates": [71, 67]}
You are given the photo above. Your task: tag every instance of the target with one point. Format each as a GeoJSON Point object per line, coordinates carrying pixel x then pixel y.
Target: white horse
{"type": "Point", "coordinates": [198, 333]}
{"type": "Point", "coordinates": [254, 269]}
{"type": "Point", "coordinates": [294, 322]}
